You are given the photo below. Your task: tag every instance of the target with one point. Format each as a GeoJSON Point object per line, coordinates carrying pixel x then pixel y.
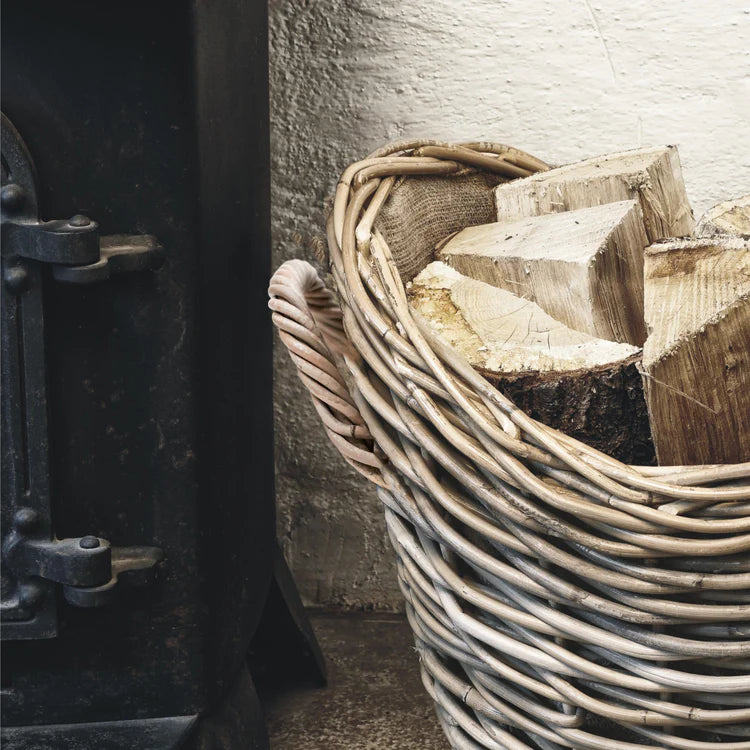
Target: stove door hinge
{"type": "Point", "coordinates": [35, 563]}
{"type": "Point", "coordinates": [87, 567]}
{"type": "Point", "coordinates": [73, 248]}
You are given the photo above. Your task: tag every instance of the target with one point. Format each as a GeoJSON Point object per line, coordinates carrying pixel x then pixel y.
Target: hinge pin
{"type": "Point", "coordinates": [11, 196]}
{"type": "Point", "coordinates": [25, 520]}
{"type": "Point", "coordinates": [16, 279]}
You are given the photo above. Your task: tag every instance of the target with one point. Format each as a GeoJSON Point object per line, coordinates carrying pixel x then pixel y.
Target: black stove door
{"type": "Point", "coordinates": [151, 382]}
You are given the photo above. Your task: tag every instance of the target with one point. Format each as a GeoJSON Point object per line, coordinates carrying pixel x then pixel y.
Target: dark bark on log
{"type": "Point", "coordinates": [603, 408]}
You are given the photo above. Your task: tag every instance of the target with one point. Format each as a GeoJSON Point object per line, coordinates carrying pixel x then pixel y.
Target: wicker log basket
{"type": "Point", "coordinates": [558, 598]}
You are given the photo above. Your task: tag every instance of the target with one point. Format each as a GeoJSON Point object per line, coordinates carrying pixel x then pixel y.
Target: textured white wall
{"type": "Point", "coordinates": [563, 80]}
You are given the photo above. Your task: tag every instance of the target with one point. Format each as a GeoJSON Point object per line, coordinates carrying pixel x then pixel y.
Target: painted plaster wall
{"type": "Point", "coordinates": [563, 80]}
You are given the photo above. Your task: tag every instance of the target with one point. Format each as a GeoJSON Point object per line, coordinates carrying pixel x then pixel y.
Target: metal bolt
{"type": "Point", "coordinates": [12, 196]}
{"type": "Point", "coordinates": [88, 542]}
{"type": "Point", "coordinates": [30, 594]}
{"type": "Point", "coordinates": [25, 520]}
{"type": "Point", "coordinates": [79, 220]}
{"type": "Point", "coordinates": [16, 279]}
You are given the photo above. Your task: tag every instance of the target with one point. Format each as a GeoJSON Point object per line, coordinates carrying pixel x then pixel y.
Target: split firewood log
{"type": "Point", "coordinates": [583, 267]}
{"type": "Point", "coordinates": [697, 356]}
{"type": "Point", "coordinates": [729, 217]}
{"type": "Point", "coordinates": [652, 176]}
{"type": "Point", "coordinates": [585, 386]}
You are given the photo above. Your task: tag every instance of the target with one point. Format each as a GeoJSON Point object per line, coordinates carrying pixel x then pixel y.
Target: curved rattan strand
{"type": "Point", "coordinates": [558, 598]}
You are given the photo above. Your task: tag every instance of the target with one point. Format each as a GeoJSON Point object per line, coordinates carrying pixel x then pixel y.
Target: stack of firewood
{"type": "Point", "coordinates": [598, 306]}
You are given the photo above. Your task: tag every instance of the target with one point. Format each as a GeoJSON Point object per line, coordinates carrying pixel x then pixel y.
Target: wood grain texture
{"type": "Point", "coordinates": [587, 387]}
{"type": "Point", "coordinates": [697, 355]}
{"type": "Point", "coordinates": [729, 217]}
{"type": "Point", "coordinates": [583, 267]}
{"type": "Point", "coordinates": [652, 176]}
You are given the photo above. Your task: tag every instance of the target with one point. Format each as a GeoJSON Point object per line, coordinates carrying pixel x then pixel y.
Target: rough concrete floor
{"type": "Point", "coordinates": [374, 699]}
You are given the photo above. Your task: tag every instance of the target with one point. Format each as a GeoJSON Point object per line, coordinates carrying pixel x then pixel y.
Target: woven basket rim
{"type": "Point", "coordinates": [363, 189]}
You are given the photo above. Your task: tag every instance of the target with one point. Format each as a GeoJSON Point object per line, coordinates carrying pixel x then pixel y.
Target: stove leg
{"type": "Point", "coordinates": [284, 650]}
{"type": "Point", "coordinates": [237, 723]}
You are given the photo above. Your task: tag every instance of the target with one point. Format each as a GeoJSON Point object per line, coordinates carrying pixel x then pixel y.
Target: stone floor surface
{"type": "Point", "coordinates": [374, 699]}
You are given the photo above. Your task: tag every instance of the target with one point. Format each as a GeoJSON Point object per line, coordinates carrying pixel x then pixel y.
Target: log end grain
{"type": "Point", "coordinates": [728, 217]}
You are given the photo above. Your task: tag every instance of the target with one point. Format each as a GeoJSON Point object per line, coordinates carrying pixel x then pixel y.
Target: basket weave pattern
{"type": "Point", "coordinates": [558, 598]}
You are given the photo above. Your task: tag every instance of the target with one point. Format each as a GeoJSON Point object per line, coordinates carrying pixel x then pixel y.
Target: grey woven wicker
{"type": "Point", "coordinates": [558, 598]}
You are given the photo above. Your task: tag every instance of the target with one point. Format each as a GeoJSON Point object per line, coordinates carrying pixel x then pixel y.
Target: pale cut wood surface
{"type": "Point", "coordinates": [652, 176]}
{"type": "Point", "coordinates": [587, 387]}
{"type": "Point", "coordinates": [697, 355]}
{"type": "Point", "coordinates": [499, 331]}
{"type": "Point", "coordinates": [583, 267]}
{"type": "Point", "coordinates": [729, 217]}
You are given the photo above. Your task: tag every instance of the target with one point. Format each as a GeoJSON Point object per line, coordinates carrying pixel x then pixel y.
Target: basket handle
{"type": "Point", "coordinates": [310, 325]}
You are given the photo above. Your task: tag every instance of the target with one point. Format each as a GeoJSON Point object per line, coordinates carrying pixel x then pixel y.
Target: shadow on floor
{"type": "Point", "coordinates": [374, 699]}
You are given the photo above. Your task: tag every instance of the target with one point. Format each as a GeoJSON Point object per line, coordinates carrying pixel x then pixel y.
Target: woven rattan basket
{"type": "Point", "coordinates": [558, 598]}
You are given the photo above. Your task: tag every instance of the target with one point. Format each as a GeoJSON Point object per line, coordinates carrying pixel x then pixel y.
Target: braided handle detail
{"type": "Point", "coordinates": [310, 325]}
